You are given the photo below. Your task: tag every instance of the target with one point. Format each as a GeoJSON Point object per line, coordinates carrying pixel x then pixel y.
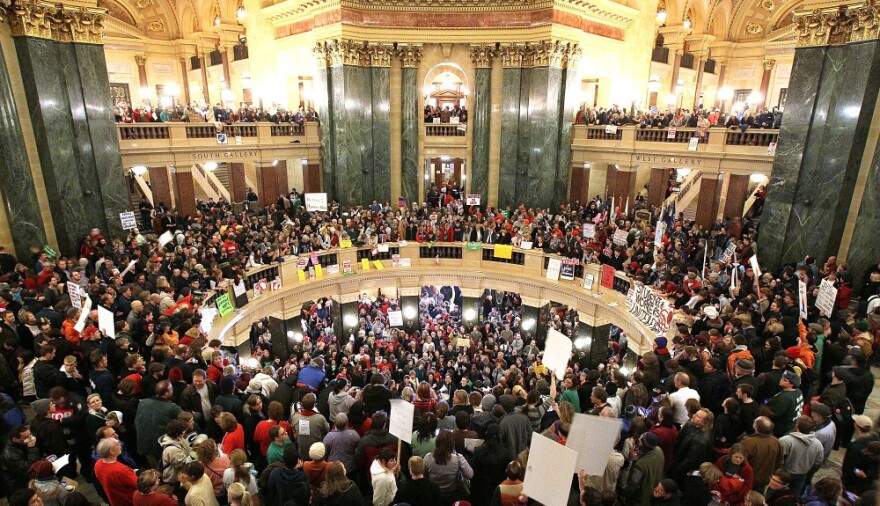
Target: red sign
{"type": "Point", "coordinates": [608, 276]}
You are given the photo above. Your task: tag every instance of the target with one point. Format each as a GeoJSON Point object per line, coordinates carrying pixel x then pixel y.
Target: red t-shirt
{"type": "Point", "coordinates": [153, 499]}
{"type": "Point", "coordinates": [233, 440]}
{"type": "Point", "coordinates": [119, 482]}
{"type": "Point", "coordinates": [261, 433]}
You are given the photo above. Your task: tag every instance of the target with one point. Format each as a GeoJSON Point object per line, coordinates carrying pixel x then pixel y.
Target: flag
{"type": "Point", "coordinates": [670, 218]}
{"type": "Point", "coordinates": [185, 302]}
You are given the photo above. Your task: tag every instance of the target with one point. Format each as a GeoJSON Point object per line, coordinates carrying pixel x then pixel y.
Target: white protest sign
{"type": "Point", "coordinates": [526, 245]}
{"type": "Point", "coordinates": [239, 289]}
{"type": "Point", "coordinates": [826, 298]}
{"type": "Point", "coordinates": [472, 444]}
{"type": "Point", "coordinates": [128, 268]}
{"type": "Point", "coordinates": [553, 267]}
{"type": "Point", "coordinates": [670, 134]}
{"type": "Point", "coordinates": [303, 428]}
{"type": "Point", "coordinates": [548, 471]}
{"type": "Point", "coordinates": [589, 230]}
{"type": "Point", "coordinates": [383, 248]}
{"type": "Point", "coordinates": [771, 149]}
{"type": "Point", "coordinates": [395, 318]}
{"type": "Point", "coordinates": [557, 351]}
{"type": "Point", "coordinates": [753, 261]}
{"type": "Point", "coordinates": [692, 144]}
{"type": "Point", "coordinates": [659, 233]}
{"type": "Point", "coordinates": [165, 238]}
{"type": "Point", "coordinates": [105, 322]}
{"type": "Point", "coordinates": [652, 310]}
{"type": "Point", "coordinates": [75, 297]}
{"type": "Point", "coordinates": [610, 129]}
{"type": "Point", "coordinates": [620, 236]}
{"type": "Point", "coordinates": [593, 438]}
{"type": "Point", "coordinates": [473, 199]}
{"type": "Point", "coordinates": [128, 220]}
{"type": "Point", "coordinates": [728, 252]}
{"type": "Point", "coordinates": [802, 299]}
{"type": "Point", "coordinates": [401, 420]}
{"type": "Point", "coordinates": [60, 462]}
{"type": "Point", "coordinates": [316, 202]}
{"type": "Point", "coordinates": [207, 323]}
{"type": "Point", "coordinates": [86, 307]}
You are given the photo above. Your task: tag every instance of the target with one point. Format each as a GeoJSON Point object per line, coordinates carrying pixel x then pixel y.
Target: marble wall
{"type": "Point", "coordinates": [832, 96]}
{"type": "Point", "coordinates": [409, 140]}
{"type": "Point", "coordinates": [322, 107]}
{"type": "Point", "coordinates": [76, 136]}
{"type": "Point", "coordinates": [16, 181]}
{"type": "Point", "coordinates": [864, 246]}
{"type": "Point", "coordinates": [512, 79]}
{"type": "Point", "coordinates": [480, 123]}
{"type": "Point", "coordinates": [381, 116]}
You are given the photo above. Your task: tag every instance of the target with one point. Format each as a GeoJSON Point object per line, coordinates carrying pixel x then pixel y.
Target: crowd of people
{"type": "Point", "coordinates": [701, 118]}
{"type": "Point", "coordinates": [195, 113]}
{"type": "Point", "coordinates": [445, 114]}
{"type": "Point", "coordinates": [743, 403]}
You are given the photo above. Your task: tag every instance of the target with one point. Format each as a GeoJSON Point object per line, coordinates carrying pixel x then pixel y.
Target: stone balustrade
{"type": "Point", "coordinates": [445, 130]}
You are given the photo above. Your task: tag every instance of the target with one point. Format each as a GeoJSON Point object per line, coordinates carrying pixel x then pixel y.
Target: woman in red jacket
{"type": "Point", "coordinates": [234, 438]}
{"type": "Point", "coordinates": [738, 477]}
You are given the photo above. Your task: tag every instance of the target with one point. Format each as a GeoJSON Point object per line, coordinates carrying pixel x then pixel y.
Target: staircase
{"type": "Point", "coordinates": [222, 173]}
{"type": "Point", "coordinates": [207, 182]}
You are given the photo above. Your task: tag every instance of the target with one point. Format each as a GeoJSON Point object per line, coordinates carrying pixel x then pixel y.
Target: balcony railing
{"type": "Point", "coordinates": [758, 137]}
{"type": "Point", "coordinates": [150, 131]}
{"type": "Point", "coordinates": [683, 135]}
{"type": "Point", "coordinates": [446, 130]}
{"type": "Point", "coordinates": [288, 130]}
{"type": "Point", "coordinates": [718, 140]}
{"type": "Point", "coordinates": [604, 133]}
{"type": "Point", "coordinates": [142, 131]}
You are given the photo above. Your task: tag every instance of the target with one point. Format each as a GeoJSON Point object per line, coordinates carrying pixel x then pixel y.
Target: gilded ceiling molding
{"type": "Point", "coordinates": [482, 56]}
{"type": "Point", "coordinates": [29, 18]}
{"type": "Point", "coordinates": [542, 54]}
{"type": "Point", "coordinates": [838, 26]}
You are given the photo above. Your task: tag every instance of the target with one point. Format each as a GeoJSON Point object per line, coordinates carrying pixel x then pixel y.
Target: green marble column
{"type": "Point", "coordinates": [524, 145]}
{"type": "Point", "coordinates": [544, 106]}
{"type": "Point", "coordinates": [381, 124]}
{"type": "Point", "coordinates": [322, 107]}
{"type": "Point", "coordinates": [570, 100]}
{"type": "Point", "coordinates": [833, 93]}
{"type": "Point", "coordinates": [16, 181]}
{"type": "Point", "coordinates": [864, 245]}
{"type": "Point", "coordinates": [508, 165]}
{"type": "Point", "coordinates": [479, 119]}
{"type": "Point", "coordinates": [409, 138]}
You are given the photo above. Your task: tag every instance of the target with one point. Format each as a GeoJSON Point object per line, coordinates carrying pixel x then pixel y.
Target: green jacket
{"type": "Point", "coordinates": [646, 473]}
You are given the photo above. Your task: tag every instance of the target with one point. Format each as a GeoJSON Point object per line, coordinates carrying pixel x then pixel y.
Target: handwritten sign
{"type": "Point", "coordinates": [105, 322]}
{"type": "Point", "coordinates": [504, 251]}
{"type": "Point", "coordinates": [826, 298]}
{"type": "Point", "coordinates": [692, 144]}
{"type": "Point", "coordinates": [593, 438]}
{"type": "Point", "coordinates": [549, 471]}
{"type": "Point", "coordinates": [400, 423]}
{"type": "Point", "coordinates": [728, 252]}
{"type": "Point", "coordinates": [128, 220]}
{"type": "Point", "coordinates": [607, 279]}
{"type": "Point", "coordinates": [474, 246]}
{"type": "Point", "coordinates": [395, 318]}
{"type": "Point", "coordinates": [378, 265]}
{"type": "Point", "coordinates": [659, 233]}
{"type": "Point", "coordinates": [652, 310]}
{"type": "Point", "coordinates": [473, 199]}
{"type": "Point", "coordinates": [346, 268]}
{"type": "Point", "coordinates": [557, 351]}
{"type": "Point", "coordinates": [365, 264]}
{"type": "Point", "coordinates": [553, 267]}
{"type": "Point", "coordinates": [589, 230]}
{"type": "Point", "coordinates": [345, 243]}
{"type": "Point", "coordinates": [316, 202]}
{"type": "Point", "coordinates": [620, 236]}
{"type": "Point", "coordinates": [224, 304]}
{"type": "Point", "coordinates": [802, 299]}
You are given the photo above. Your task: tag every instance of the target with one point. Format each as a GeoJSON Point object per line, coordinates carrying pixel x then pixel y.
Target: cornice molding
{"type": "Point", "coordinates": [63, 23]}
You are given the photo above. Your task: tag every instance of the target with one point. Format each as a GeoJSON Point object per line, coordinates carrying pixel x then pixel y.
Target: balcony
{"type": "Point", "coordinates": [183, 143]}
{"type": "Point", "coordinates": [445, 130]}
{"type": "Point", "coordinates": [715, 148]}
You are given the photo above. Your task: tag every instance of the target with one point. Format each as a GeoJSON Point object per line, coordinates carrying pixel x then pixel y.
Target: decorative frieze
{"type": "Point", "coordinates": [54, 21]}
{"type": "Point", "coordinates": [838, 26]}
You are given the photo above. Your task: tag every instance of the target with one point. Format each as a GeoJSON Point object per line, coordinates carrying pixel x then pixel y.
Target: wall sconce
{"type": "Point", "coordinates": [661, 16]}
{"type": "Point", "coordinates": [687, 22]}
{"type": "Point", "coordinates": [241, 13]}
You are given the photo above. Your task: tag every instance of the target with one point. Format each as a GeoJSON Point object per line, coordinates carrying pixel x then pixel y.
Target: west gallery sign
{"type": "Point", "coordinates": [680, 161]}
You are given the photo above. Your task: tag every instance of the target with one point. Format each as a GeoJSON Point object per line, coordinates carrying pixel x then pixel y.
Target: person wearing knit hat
{"type": "Point", "coordinates": [646, 472]}
{"type": "Point", "coordinates": [316, 468]}
{"type": "Point", "coordinates": [317, 451]}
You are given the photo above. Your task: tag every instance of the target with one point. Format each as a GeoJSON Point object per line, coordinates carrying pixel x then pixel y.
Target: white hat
{"type": "Point", "coordinates": [711, 312]}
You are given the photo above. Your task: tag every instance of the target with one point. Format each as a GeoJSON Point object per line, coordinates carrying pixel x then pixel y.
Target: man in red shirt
{"type": "Point", "coordinates": [117, 479]}
{"type": "Point", "coordinates": [230, 247]}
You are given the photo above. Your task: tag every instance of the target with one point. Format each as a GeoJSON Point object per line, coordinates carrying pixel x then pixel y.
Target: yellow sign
{"type": "Point", "coordinates": [301, 274]}
{"type": "Point", "coordinates": [345, 243]}
{"type": "Point", "coordinates": [319, 271]}
{"type": "Point", "coordinates": [378, 265]}
{"type": "Point", "coordinates": [365, 264]}
{"type": "Point", "coordinates": [503, 251]}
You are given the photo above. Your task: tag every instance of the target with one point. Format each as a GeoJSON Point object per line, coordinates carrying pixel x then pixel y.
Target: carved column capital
{"type": "Point", "coordinates": [841, 25]}
{"type": "Point", "coordinates": [769, 64]}
{"type": "Point", "coordinates": [512, 55]}
{"type": "Point", "coordinates": [141, 60]}
{"type": "Point", "coordinates": [29, 18]}
{"type": "Point", "coordinates": [410, 56]}
{"type": "Point", "coordinates": [380, 55]}
{"type": "Point", "coordinates": [482, 56]}
{"type": "Point", "coordinates": [543, 54]}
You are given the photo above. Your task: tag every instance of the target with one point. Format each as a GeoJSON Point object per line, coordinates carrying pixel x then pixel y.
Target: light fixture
{"type": "Point", "coordinates": [654, 84]}
{"type": "Point", "coordinates": [755, 97]}
{"type": "Point", "coordinates": [350, 320]}
{"type": "Point", "coordinates": [241, 13]}
{"type": "Point", "coordinates": [138, 170]}
{"type": "Point", "coordinates": [679, 87]}
{"type": "Point", "coordinates": [470, 314]}
{"type": "Point", "coordinates": [670, 99]}
{"type": "Point", "coordinates": [145, 93]}
{"type": "Point", "coordinates": [624, 371]}
{"type": "Point", "coordinates": [687, 22]}
{"type": "Point", "coordinates": [757, 178]}
{"type": "Point", "coordinates": [725, 93]}
{"type": "Point", "coordinates": [217, 20]}
{"type": "Point", "coordinates": [227, 95]}
{"type": "Point", "coordinates": [275, 163]}
{"type": "Point", "coordinates": [582, 342]}
{"type": "Point", "coordinates": [409, 312]}
{"type": "Point", "coordinates": [661, 15]}
{"type": "Point", "coordinates": [172, 89]}
{"type": "Point", "coordinates": [211, 166]}
{"type": "Point", "coordinates": [528, 324]}
{"type": "Point", "coordinates": [290, 334]}
{"type": "Point", "coordinates": [252, 363]}
{"type": "Point", "coordinates": [298, 337]}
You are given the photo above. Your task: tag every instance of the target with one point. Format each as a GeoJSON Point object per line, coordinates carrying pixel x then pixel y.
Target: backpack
{"type": "Point", "coordinates": [13, 417]}
{"type": "Point", "coordinates": [842, 413]}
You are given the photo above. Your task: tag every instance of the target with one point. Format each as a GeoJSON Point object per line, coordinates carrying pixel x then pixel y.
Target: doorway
{"type": "Point", "coordinates": [443, 171]}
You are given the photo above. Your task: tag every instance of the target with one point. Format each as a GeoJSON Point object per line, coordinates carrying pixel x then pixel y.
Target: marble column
{"type": "Point", "coordinates": [141, 62]}
{"type": "Point", "coordinates": [161, 185]}
{"type": "Point", "coordinates": [657, 186]}
{"type": "Point", "coordinates": [765, 82]}
{"type": "Point", "coordinates": [409, 136]}
{"type": "Point", "coordinates": [737, 193]}
{"type": "Point", "coordinates": [599, 345]}
{"type": "Point", "coordinates": [16, 181]}
{"type": "Point", "coordinates": [184, 72]}
{"type": "Point", "coordinates": [186, 192]}
{"type": "Point", "coordinates": [863, 247]}
{"type": "Point", "coordinates": [238, 186]}
{"type": "Point", "coordinates": [351, 105]}
{"type": "Point", "coordinates": [707, 201]}
{"type": "Point", "coordinates": [833, 91]}
{"type": "Point", "coordinates": [380, 182]}
{"type": "Point", "coordinates": [482, 57]}
{"type": "Point", "coordinates": [510, 112]}
{"type": "Point", "coordinates": [570, 95]}
{"type": "Point", "coordinates": [322, 108]}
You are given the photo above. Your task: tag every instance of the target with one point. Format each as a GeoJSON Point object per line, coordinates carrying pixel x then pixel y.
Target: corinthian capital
{"type": "Point", "coordinates": [482, 55]}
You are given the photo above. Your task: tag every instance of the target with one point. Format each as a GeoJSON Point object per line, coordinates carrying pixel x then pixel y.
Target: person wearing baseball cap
{"type": "Point", "coordinates": [826, 431]}
{"type": "Point", "coordinates": [854, 478]}
{"type": "Point", "coordinates": [785, 407]}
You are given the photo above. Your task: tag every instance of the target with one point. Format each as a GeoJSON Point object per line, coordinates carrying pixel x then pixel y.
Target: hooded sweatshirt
{"type": "Point", "coordinates": [339, 403]}
{"type": "Point", "coordinates": [803, 452]}
{"type": "Point", "coordinates": [384, 484]}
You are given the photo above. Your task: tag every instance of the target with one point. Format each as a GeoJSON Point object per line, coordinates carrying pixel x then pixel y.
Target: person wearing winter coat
{"type": "Point", "coordinates": [825, 492]}
{"type": "Point", "coordinates": [383, 476]}
{"type": "Point", "coordinates": [340, 399]}
{"type": "Point", "coordinates": [646, 472]}
{"type": "Point", "coordinates": [20, 454]}
{"type": "Point", "coordinates": [694, 444]}
{"type": "Point", "coordinates": [175, 451]}
{"type": "Point", "coordinates": [803, 453]}
{"type": "Point", "coordinates": [338, 490]}
{"type": "Point", "coordinates": [737, 479]}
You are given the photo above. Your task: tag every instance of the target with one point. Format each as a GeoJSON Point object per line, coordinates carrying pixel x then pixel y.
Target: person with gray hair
{"type": "Point", "coordinates": [341, 444]}
{"type": "Point", "coordinates": [117, 479]}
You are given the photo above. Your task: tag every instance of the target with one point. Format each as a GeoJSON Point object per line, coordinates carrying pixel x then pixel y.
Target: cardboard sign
{"type": "Point", "coordinates": [649, 308]}
{"type": "Point", "coordinates": [224, 304]}
{"type": "Point", "coordinates": [275, 284]}
{"type": "Point", "coordinates": [87, 307]}
{"type": "Point", "coordinates": [589, 279]}
{"type": "Point", "coordinates": [395, 261]}
{"type": "Point", "coordinates": [611, 129]}
{"type": "Point", "coordinates": [659, 233]}
{"type": "Point", "coordinates": [346, 268]}
{"type": "Point", "coordinates": [826, 298]}
{"type": "Point", "coordinates": [553, 267]}
{"type": "Point", "coordinates": [526, 245]}
{"type": "Point", "coordinates": [589, 230]}
{"type": "Point", "coordinates": [345, 243]}
{"type": "Point", "coordinates": [504, 251]}
{"type": "Point", "coordinates": [128, 220]}
{"type": "Point", "coordinates": [378, 265]}
{"type": "Point", "coordinates": [105, 322]}
{"type": "Point", "coordinates": [593, 438]}
{"type": "Point", "coordinates": [607, 279]}
{"type": "Point", "coordinates": [802, 299]}
{"type": "Point", "coordinates": [474, 246]}
{"type": "Point", "coordinates": [301, 275]}
{"type": "Point", "coordinates": [314, 258]}
{"type": "Point", "coordinates": [549, 471]}
{"type": "Point", "coordinates": [692, 144]}
{"type": "Point", "coordinates": [365, 264]}
{"type": "Point", "coordinates": [463, 342]}
{"type": "Point", "coordinates": [395, 318]}
{"type": "Point", "coordinates": [620, 237]}
{"type": "Point", "coordinates": [316, 202]}
{"type": "Point", "coordinates": [472, 199]}
{"type": "Point", "coordinates": [557, 351]}
{"type": "Point", "coordinates": [753, 261]}
{"type": "Point", "coordinates": [400, 423]}
{"type": "Point", "coordinates": [319, 271]}
{"type": "Point", "coordinates": [383, 248]}
{"type": "Point", "coordinates": [670, 134]}
{"type": "Point", "coordinates": [406, 262]}
{"type": "Point", "coordinates": [567, 272]}
{"type": "Point", "coordinates": [75, 295]}
{"type": "Point", "coordinates": [771, 149]}
{"type": "Point", "coordinates": [165, 238]}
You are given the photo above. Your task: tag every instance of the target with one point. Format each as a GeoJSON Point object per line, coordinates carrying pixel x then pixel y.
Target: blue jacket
{"type": "Point", "coordinates": [311, 377]}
